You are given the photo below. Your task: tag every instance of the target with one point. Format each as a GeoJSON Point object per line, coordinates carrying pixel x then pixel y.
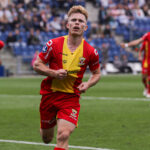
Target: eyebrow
{"type": "Point", "coordinates": [81, 20]}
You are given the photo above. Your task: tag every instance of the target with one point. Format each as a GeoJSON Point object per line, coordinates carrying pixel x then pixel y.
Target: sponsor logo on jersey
{"type": "Point", "coordinates": [72, 71]}
{"type": "Point", "coordinates": [63, 54]}
{"type": "Point", "coordinates": [48, 44]}
{"type": "Point", "coordinates": [44, 49]}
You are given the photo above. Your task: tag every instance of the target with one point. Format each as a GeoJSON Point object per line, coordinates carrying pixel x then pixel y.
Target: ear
{"type": "Point", "coordinates": [85, 28]}
{"type": "Point", "coordinates": [67, 25]}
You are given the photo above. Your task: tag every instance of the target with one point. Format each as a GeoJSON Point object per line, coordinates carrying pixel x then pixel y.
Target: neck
{"type": "Point", "coordinates": [73, 42]}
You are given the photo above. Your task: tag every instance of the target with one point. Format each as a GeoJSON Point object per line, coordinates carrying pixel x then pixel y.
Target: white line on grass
{"type": "Point", "coordinates": [42, 144]}
{"type": "Point", "coordinates": [114, 98]}
{"type": "Point", "coordinates": [83, 97]}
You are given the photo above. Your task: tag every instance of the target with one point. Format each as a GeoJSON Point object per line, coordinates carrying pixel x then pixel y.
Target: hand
{"type": "Point", "coordinates": [122, 45]}
{"type": "Point", "coordinates": [83, 87]}
{"type": "Point", "coordinates": [60, 74]}
{"type": "Point", "coordinates": [140, 58]}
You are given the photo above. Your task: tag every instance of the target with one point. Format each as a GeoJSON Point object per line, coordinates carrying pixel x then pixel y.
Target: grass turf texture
{"type": "Point", "coordinates": [113, 124]}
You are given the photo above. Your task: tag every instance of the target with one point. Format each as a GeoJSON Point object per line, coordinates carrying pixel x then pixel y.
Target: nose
{"type": "Point", "coordinates": [77, 22]}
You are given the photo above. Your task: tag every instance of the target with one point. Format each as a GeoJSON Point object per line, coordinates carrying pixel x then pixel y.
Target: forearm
{"type": "Point", "coordinates": [42, 69]}
{"type": "Point", "coordinates": [93, 79]}
{"type": "Point", "coordinates": [134, 43]}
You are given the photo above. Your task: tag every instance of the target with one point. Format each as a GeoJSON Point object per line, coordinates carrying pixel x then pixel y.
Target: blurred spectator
{"type": "Point", "coordinates": [94, 30]}
{"type": "Point", "coordinates": [122, 64]}
{"type": "Point", "coordinates": [55, 24]}
{"type": "Point", "coordinates": [104, 50]}
{"type": "Point", "coordinates": [68, 4]}
{"type": "Point", "coordinates": [141, 3]}
{"type": "Point", "coordinates": [107, 31]}
{"type": "Point", "coordinates": [33, 39]}
{"type": "Point", "coordinates": [138, 12]}
{"type": "Point", "coordinates": [104, 3]}
{"type": "Point", "coordinates": [10, 40]}
{"type": "Point", "coordinates": [5, 3]}
{"type": "Point", "coordinates": [36, 23]}
{"type": "Point", "coordinates": [103, 17]}
{"type": "Point", "coordinates": [28, 23]}
{"type": "Point", "coordinates": [128, 13]}
{"type": "Point", "coordinates": [146, 10]}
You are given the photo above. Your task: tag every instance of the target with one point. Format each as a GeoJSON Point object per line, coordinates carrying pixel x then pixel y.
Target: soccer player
{"type": "Point", "coordinates": [67, 58]}
{"type": "Point", "coordinates": [143, 59]}
{"type": "Point", "coordinates": [144, 38]}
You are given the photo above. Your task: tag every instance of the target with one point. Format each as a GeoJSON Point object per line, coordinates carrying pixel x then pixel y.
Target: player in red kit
{"type": "Point", "coordinates": [143, 58]}
{"type": "Point", "coordinates": [1, 44]}
{"type": "Point", "coordinates": [67, 58]}
{"type": "Point", "coordinates": [146, 62]}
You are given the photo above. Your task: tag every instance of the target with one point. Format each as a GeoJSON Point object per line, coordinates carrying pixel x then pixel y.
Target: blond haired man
{"type": "Point", "coordinates": [67, 57]}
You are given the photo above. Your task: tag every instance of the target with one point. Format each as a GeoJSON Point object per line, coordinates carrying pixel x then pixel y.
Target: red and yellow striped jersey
{"type": "Point", "coordinates": [145, 49]}
{"type": "Point", "coordinates": [146, 38]}
{"type": "Point", "coordinates": [58, 56]}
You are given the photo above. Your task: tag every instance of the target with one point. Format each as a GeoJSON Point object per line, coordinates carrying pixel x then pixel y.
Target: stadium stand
{"type": "Point", "coordinates": [47, 19]}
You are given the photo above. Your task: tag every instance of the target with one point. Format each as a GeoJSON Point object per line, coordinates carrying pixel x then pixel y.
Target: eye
{"type": "Point", "coordinates": [73, 20]}
{"type": "Point", "coordinates": [81, 21]}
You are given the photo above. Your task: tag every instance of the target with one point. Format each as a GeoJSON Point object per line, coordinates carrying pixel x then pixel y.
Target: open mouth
{"type": "Point", "coordinates": [76, 28]}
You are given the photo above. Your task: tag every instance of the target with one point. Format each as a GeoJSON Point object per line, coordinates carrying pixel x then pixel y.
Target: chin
{"type": "Point", "coordinates": [76, 34]}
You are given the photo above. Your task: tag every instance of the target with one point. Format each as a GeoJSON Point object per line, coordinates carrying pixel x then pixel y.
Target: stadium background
{"type": "Point", "coordinates": [26, 25]}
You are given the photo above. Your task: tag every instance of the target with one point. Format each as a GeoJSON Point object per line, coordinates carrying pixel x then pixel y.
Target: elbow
{"type": "Point", "coordinates": [99, 76]}
{"type": "Point", "coordinates": [35, 66]}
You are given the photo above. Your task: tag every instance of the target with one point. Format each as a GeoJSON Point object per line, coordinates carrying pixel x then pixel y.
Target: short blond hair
{"type": "Point", "coordinates": [78, 9]}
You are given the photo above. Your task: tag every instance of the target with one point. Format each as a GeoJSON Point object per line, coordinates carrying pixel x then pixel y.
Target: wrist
{"type": "Point", "coordinates": [126, 45]}
{"type": "Point", "coordinates": [52, 73]}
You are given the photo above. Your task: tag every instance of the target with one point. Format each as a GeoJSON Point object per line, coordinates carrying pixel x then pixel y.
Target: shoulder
{"type": "Point", "coordinates": [90, 49]}
{"type": "Point", "coordinates": [53, 43]}
{"type": "Point", "coordinates": [55, 40]}
{"type": "Point", "coordinates": [88, 46]}
{"type": "Point", "coordinates": [146, 34]}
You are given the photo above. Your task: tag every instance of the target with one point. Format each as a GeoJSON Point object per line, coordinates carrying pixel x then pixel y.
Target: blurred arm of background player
{"type": "Point", "coordinates": [132, 43]}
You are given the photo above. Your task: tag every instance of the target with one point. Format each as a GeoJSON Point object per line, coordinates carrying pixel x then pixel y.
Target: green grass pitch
{"type": "Point", "coordinates": [114, 114]}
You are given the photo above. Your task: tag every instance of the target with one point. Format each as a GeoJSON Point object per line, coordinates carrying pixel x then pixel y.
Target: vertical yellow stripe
{"type": "Point", "coordinates": [146, 55]}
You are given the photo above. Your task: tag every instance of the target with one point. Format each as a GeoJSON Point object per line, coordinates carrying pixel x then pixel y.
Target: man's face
{"type": "Point", "coordinates": [77, 24]}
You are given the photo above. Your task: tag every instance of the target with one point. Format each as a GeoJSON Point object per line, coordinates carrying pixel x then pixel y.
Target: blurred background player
{"type": "Point", "coordinates": [1, 44]}
{"type": "Point", "coordinates": [67, 56]}
{"type": "Point", "coordinates": [2, 69]}
{"type": "Point", "coordinates": [144, 38]}
{"type": "Point", "coordinates": [143, 58]}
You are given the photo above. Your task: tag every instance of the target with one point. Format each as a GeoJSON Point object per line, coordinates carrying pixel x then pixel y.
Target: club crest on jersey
{"type": "Point", "coordinates": [81, 61]}
{"type": "Point", "coordinates": [73, 114]}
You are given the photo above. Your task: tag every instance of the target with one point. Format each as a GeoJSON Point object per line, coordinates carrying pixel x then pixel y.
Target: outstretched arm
{"type": "Point", "coordinates": [92, 81]}
{"type": "Point", "coordinates": [40, 67]}
{"type": "Point", "coordinates": [132, 43]}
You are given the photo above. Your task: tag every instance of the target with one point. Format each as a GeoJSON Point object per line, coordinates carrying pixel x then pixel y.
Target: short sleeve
{"type": "Point", "coordinates": [94, 60]}
{"type": "Point", "coordinates": [145, 36]}
{"type": "Point", "coordinates": [46, 52]}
